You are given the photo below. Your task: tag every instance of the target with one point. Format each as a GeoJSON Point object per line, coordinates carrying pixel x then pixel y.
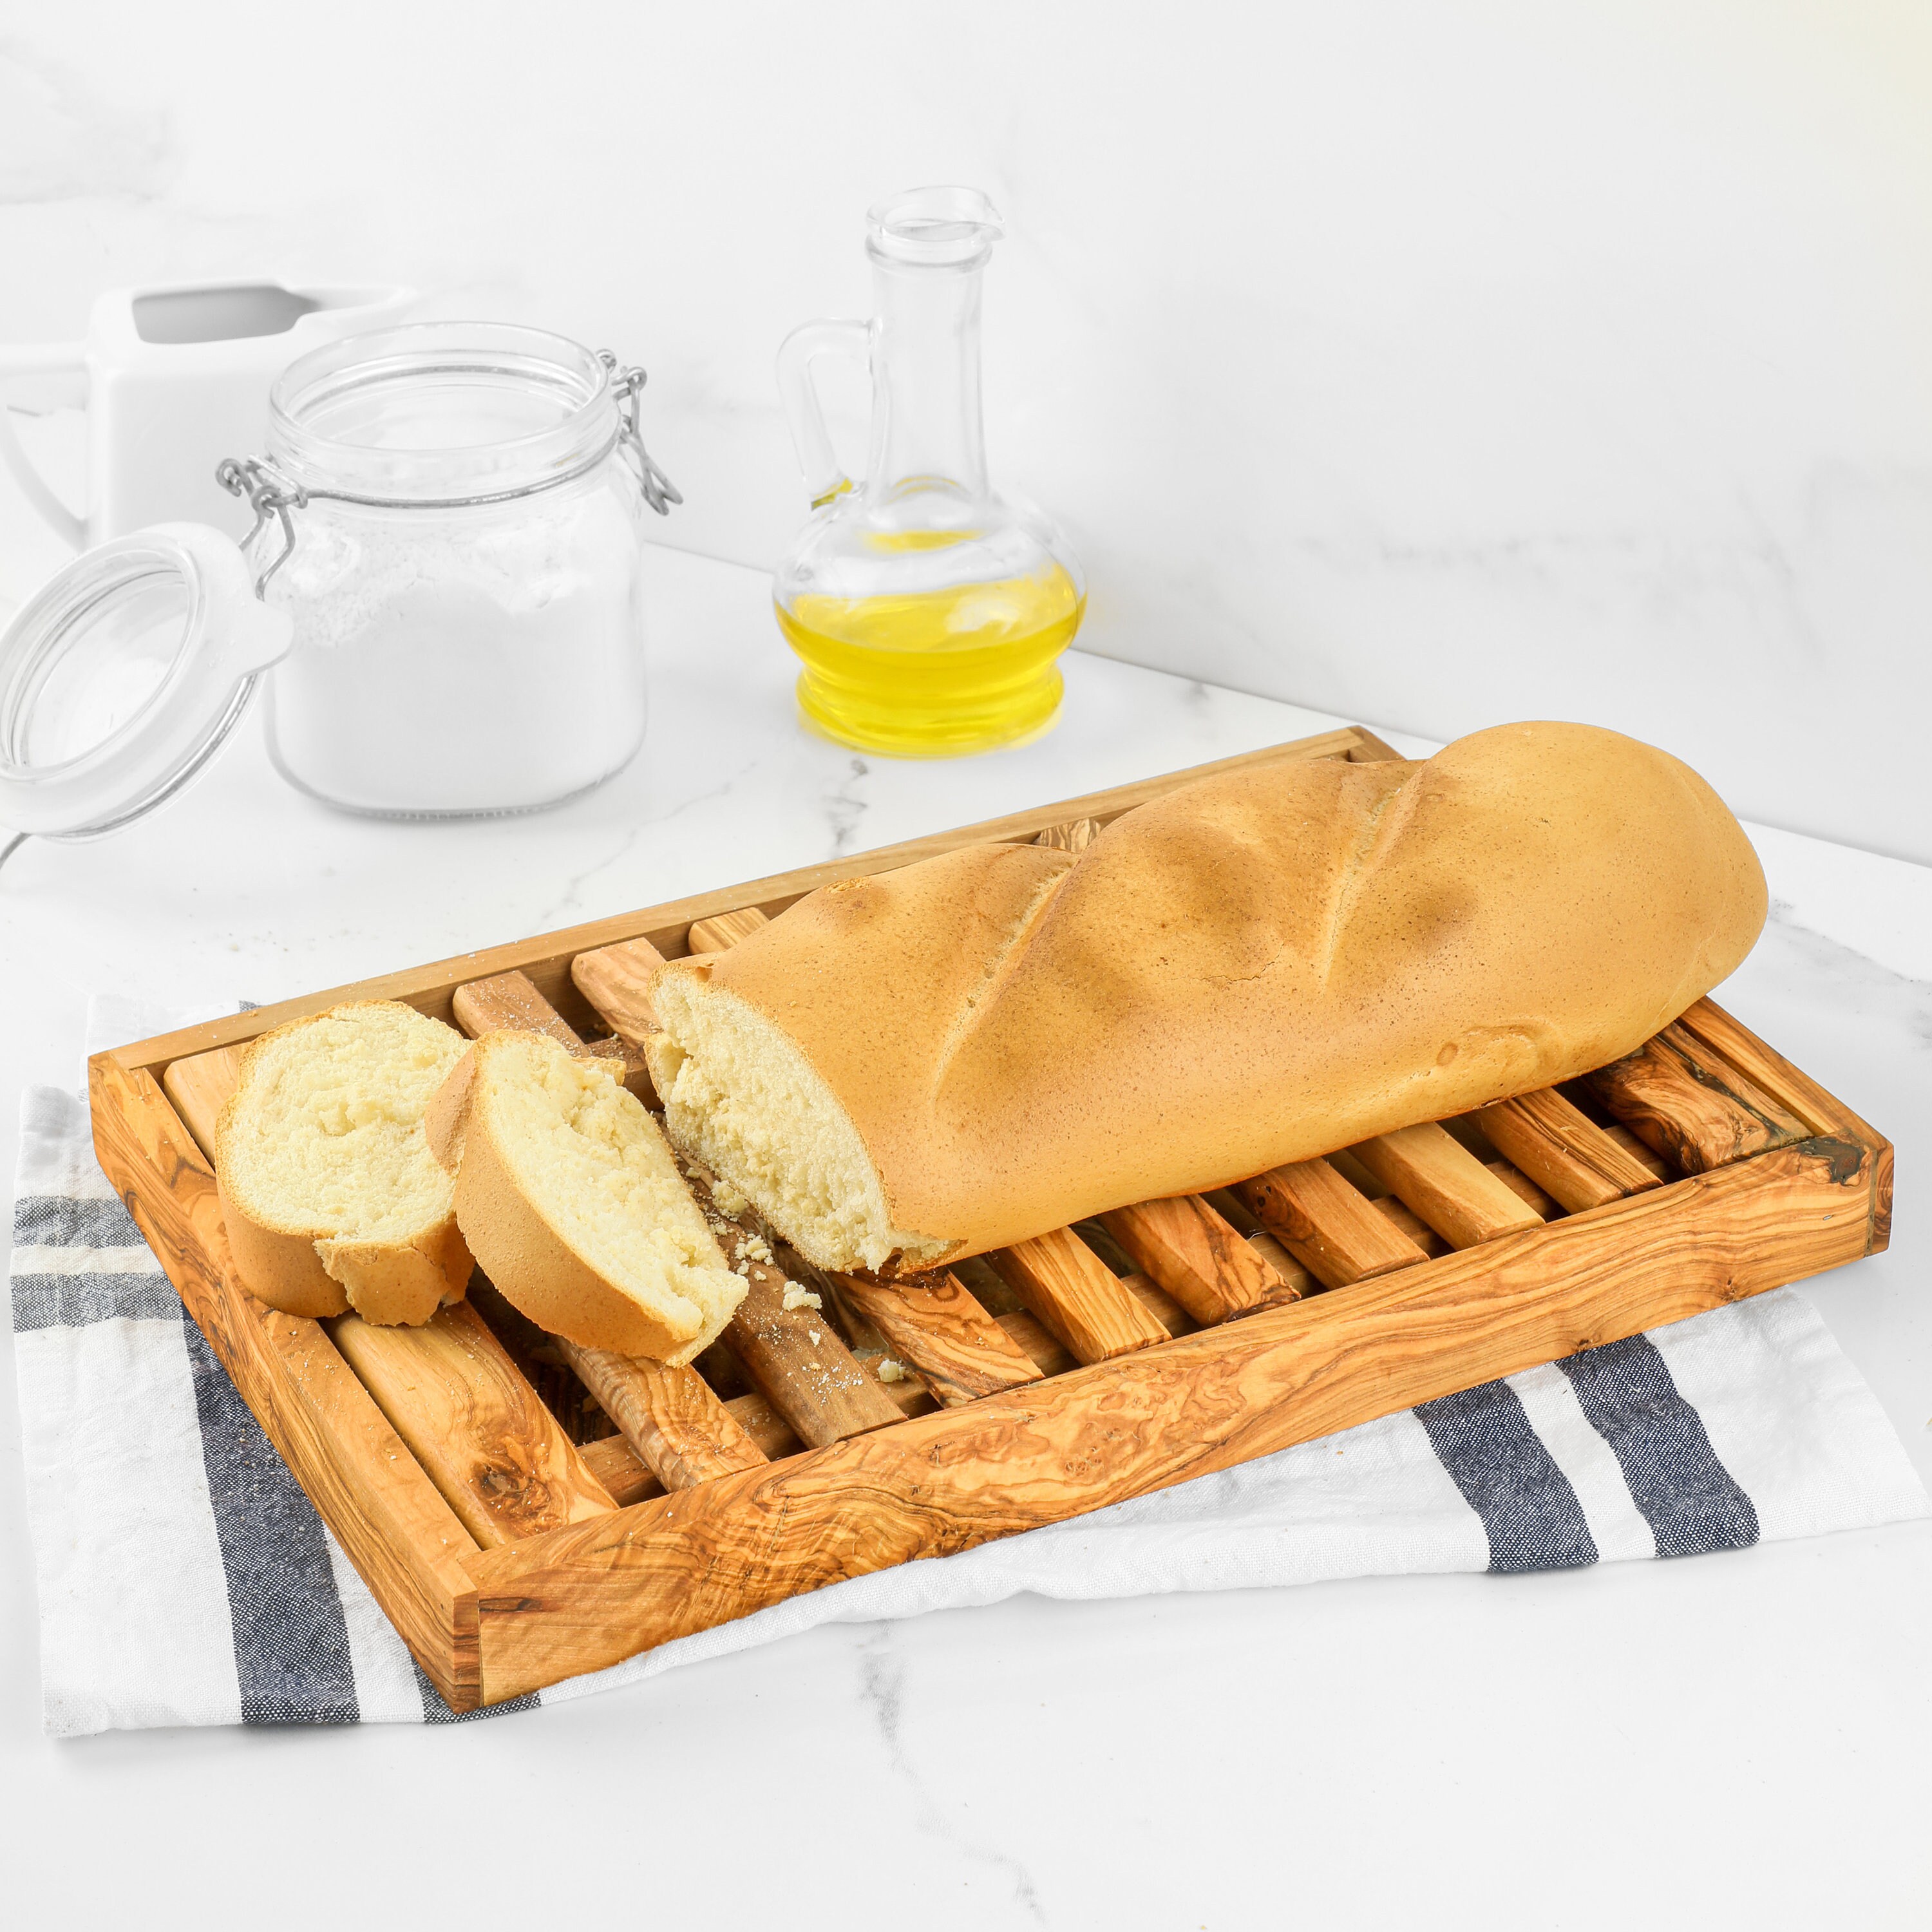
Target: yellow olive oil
{"type": "Point", "coordinates": [936, 673]}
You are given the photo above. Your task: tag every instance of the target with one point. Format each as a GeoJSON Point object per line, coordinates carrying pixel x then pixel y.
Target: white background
{"type": "Point", "coordinates": [1434, 364]}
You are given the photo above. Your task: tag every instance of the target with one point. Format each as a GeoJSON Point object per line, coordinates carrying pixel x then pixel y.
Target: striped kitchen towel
{"type": "Point", "coordinates": [185, 1579]}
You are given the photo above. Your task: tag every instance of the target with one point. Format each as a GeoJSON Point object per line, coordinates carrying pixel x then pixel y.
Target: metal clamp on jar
{"type": "Point", "coordinates": [445, 577]}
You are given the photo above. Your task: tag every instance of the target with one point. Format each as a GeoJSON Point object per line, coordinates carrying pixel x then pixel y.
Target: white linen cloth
{"type": "Point", "coordinates": [184, 1579]}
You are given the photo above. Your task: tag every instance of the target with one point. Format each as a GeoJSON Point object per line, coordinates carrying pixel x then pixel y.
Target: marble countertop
{"type": "Point", "coordinates": [1739, 1739]}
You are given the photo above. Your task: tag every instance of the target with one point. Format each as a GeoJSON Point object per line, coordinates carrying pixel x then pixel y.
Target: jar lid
{"type": "Point", "coordinates": [125, 676]}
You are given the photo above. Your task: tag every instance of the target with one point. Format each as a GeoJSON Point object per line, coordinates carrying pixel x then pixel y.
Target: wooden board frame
{"type": "Point", "coordinates": [489, 1624]}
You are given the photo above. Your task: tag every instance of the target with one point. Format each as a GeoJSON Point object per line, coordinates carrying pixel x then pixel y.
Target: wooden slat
{"type": "Point", "coordinates": [1562, 1150]}
{"type": "Point", "coordinates": [451, 1392]}
{"type": "Point", "coordinates": [1368, 749]}
{"type": "Point", "coordinates": [1519, 1184]}
{"type": "Point", "coordinates": [1193, 1253]}
{"type": "Point", "coordinates": [200, 1088]}
{"type": "Point", "coordinates": [1076, 835]}
{"type": "Point", "coordinates": [548, 958]}
{"type": "Point", "coordinates": [680, 1430]}
{"type": "Point", "coordinates": [938, 1330]}
{"type": "Point", "coordinates": [1296, 1281]}
{"type": "Point", "coordinates": [1770, 1073]}
{"type": "Point", "coordinates": [1046, 1351]}
{"type": "Point", "coordinates": [798, 1358]}
{"type": "Point", "coordinates": [1648, 1158]}
{"type": "Point", "coordinates": [1442, 1182]}
{"type": "Point", "coordinates": [617, 981]}
{"type": "Point", "coordinates": [1405, 1222]}
{"type": "Point", "coordinates": [1174, 1319]}
{"type": "Point", "coordinates": [589, 1595]}
{"type": "Point", "coordinates": [725, 929]}
{"type": "Point", "coordinates": [621, 1471]}
{"type": "Point", "coordinates": [1326, 1225]}
{"type": "Point", "coordinates": [1675, 1096]}
{"type": "Point", "coordinates": [404, 1540]}
{"type": "Point", "coordinates": [1072, 1291]}
{"type": "Point", "coordinates": [510, 999]}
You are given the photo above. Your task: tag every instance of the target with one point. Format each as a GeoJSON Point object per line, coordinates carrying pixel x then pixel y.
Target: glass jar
{"type": "Point", "coordinates": [450, 515]}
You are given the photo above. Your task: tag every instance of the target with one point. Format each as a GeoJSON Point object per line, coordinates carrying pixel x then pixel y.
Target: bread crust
{"type": "Point", "coordinates": [524, 1255]}
{"type": "Point", "coordinates": [304, 1268]}
{"type": "Point", "coordinates": [1261, 966]}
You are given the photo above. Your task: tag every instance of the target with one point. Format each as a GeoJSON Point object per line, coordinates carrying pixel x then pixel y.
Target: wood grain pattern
{"type": "Point", "coordinates": [1562, 1150]}
{"type": "Point", "coordinates": [1040, 1345]}
{"type": "Point", "coordinates": [1400, 1217]}
{"type": "Point", "coordinates": [509, 999]}
{"type": "Point", "coordinates": [1519, 1184]}
{"type": "Point", "coordinates": [1681, 1099]}
{"type": "Point", "coordinates": [1075, 834]}
{"type": "Point", "coordinates": [1769, 1072]}
{"type": "Point", "coordinates": [799, 1359]}
{"type": "Point", "coordinates": [585, 1597]}
{"type": "Point", "coordinates": [405, 1541]}
{"type": "Point", "coordinates": [617, 981]}
{"type": "Point", "coordinates": [1647, 1158]}
{"type": "Point", "coordinates": [1295, 1279]}
{"type": "Point", "coordinates": [682, 1432]}
{"type": "Point", "coordinates": [1073, 1292]}
{"type": "Point", "coordinates": [200, 1088]}
{"type": "Point", "coordinates": [1174, 1319]}
{"type": "Point", "coordinates": [725, 929]}
{"type": "Point", "coordinates": [451, 1392]}
{"type": "Point", "coordinates": [1444, 1185]}
{"type": "Point", "coordinates": [1326, 1225]}
{"type": "Point", "coordinates": [1192, 1252]}
{"type": "Point", "coordinates": [938, 1330]}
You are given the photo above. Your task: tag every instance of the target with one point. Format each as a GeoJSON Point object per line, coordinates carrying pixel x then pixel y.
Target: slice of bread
{"type": "Point", "coordinates": [572, 1201]}
{"type": "Point", "coordinates": [332, 1198]}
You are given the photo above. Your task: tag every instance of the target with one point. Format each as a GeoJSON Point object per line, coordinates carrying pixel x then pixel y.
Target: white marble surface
{"type": "Point", "coordinates": [1729, 1740]}
{"type": "Point", "coordinates": [1439, 360]}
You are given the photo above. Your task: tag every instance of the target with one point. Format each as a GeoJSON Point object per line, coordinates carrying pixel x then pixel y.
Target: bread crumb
{"type": "Point", "coordinates": [757, 1248]}
{"type": "Point", "coordinates": [796, 1296]}
{"type": "Point", "coordinates": [731, 1203]}
{"type": "Point", "coordinates": [890, 1371]}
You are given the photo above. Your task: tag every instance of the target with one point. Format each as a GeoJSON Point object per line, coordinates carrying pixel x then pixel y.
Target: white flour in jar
{"type": "Point", "coordinates": [460, 661]}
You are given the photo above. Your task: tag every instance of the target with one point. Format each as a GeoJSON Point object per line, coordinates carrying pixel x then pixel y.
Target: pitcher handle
{"type": "Point", "coordinates": [47, 358]}
{"type": "Point", "coordinates": [823, 478]}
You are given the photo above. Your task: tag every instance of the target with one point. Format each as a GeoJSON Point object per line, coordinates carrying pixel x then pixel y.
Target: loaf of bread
{"type": "Point", "coordinates": [1260, 967]}
{"type": "Point", "coordinates": [331, 1197]}
{"type": "Point", "coordinates": [570, 1199]}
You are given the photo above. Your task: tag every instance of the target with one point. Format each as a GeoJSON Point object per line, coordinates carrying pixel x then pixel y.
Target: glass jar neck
{"type": "Point", "coordinates": [929, 437]}
{"type": "Point", "coordinates": [441, 413]}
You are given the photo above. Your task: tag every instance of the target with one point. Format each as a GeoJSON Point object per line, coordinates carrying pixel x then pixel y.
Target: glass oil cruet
{"type": "Point", "coordinates": [929, 612]}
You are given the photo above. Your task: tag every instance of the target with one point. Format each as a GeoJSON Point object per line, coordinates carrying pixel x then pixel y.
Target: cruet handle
{"type": "Point", "coordinates": [823, 478]}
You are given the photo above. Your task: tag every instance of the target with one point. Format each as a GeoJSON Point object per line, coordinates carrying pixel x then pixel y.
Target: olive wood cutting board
{"type": "Point", "coordinates": [525, 1509]}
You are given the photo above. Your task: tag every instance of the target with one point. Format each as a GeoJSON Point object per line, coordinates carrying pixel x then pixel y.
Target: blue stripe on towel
{"type": "Point", "coordinates": [77, 1300]}
{"type": "Point", "coordinates": [53, 1221]}
{"type": "Point", "coordinates": [1685, 1494]}
{"type": "Point", "coordinates": [292, 1651]}
{"type": "Point", "coordinates": [437, 1711]}
{"type": "Point", "coordinates": [1529, 1512]}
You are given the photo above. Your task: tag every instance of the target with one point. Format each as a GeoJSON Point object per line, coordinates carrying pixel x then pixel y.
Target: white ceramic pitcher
{"type": "Point", "coordinates": [174, 379]}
